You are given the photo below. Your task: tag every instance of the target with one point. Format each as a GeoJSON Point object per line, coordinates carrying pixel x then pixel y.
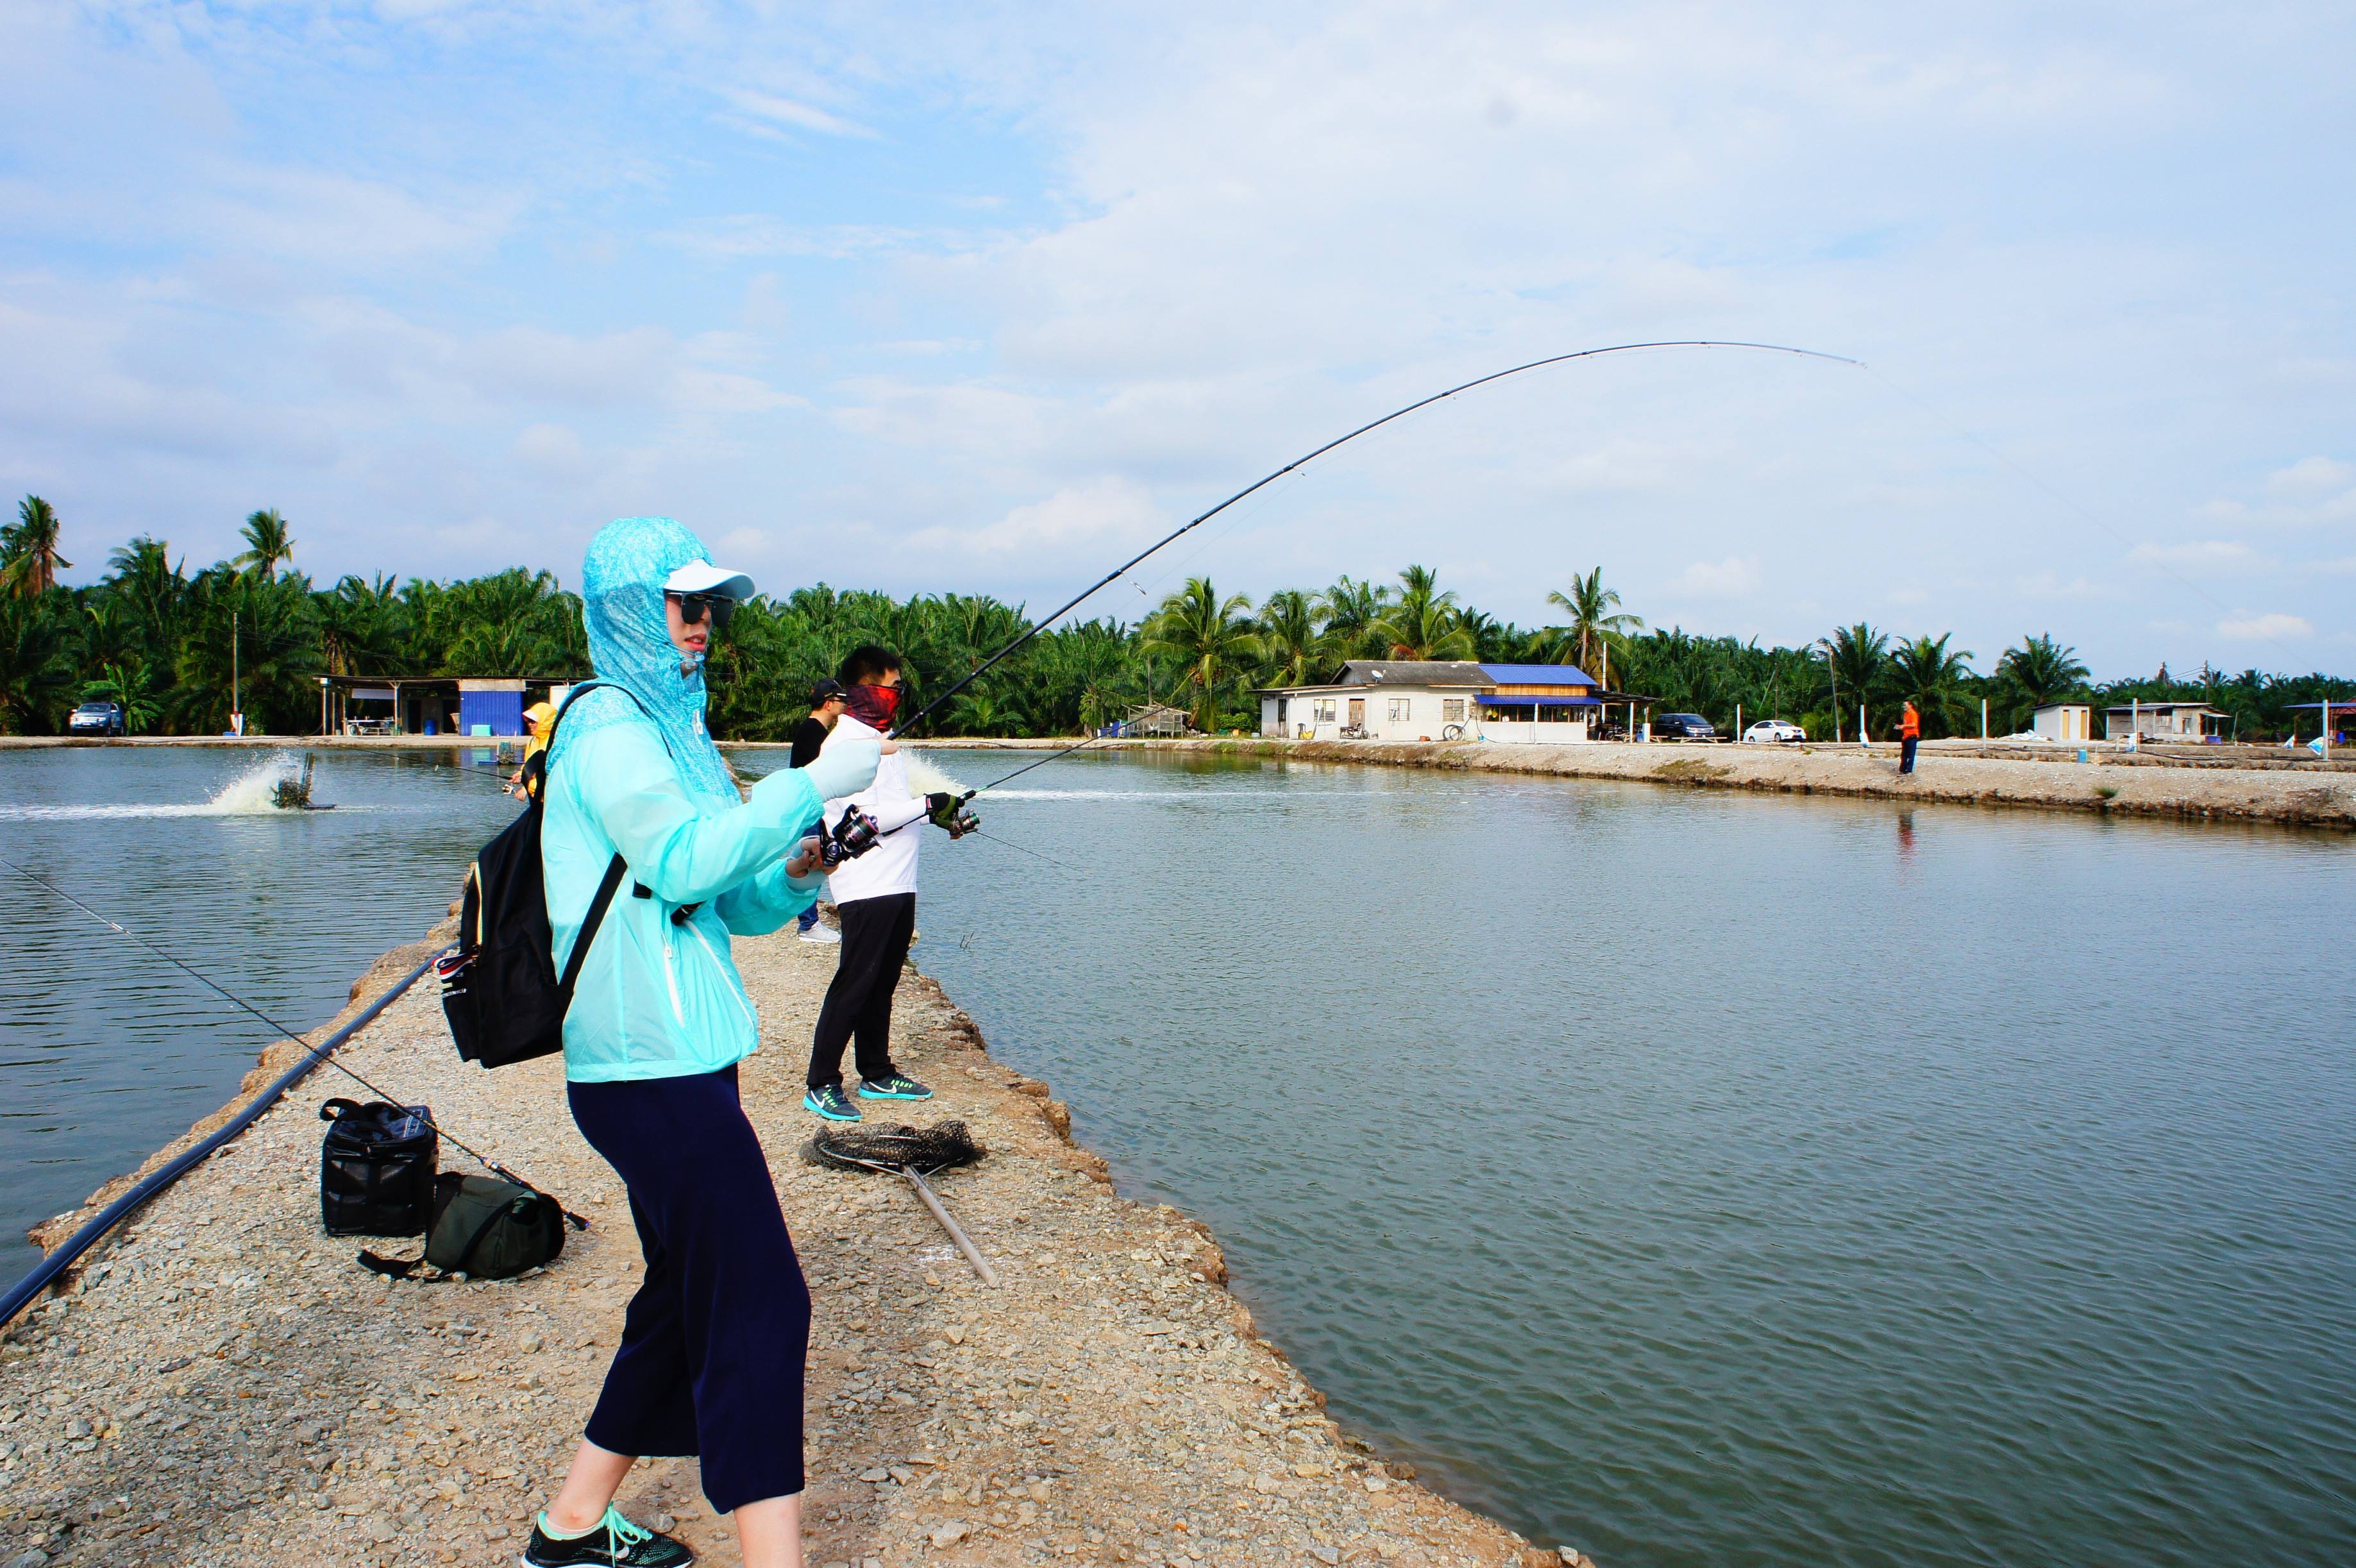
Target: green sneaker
{"type": "Point", "coordinates": [612, 1540]}
{"type": "Point", "coordinates": [832, 1103]}
{"type": "Point", "coordinates": [893, 1086]}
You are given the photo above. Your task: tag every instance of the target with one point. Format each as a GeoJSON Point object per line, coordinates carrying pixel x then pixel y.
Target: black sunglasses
{"type": "Point", "coordinates": [693, 607]}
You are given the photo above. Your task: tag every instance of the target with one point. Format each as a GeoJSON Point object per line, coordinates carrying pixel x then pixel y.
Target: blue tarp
{"type": "Point", "coordinates": [501, 712]}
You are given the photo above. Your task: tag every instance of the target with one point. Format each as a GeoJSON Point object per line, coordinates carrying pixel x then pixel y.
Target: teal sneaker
{"type": "Point", "coordinates": [893, 1086]}
{"type": "Point", "coordinates": [832, 1103]}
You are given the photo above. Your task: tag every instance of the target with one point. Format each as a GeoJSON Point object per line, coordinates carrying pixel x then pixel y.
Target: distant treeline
{"type": "Point", "coordinates": [157, 639]}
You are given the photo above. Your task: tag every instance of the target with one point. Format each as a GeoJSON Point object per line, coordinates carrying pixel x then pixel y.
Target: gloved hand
{"type": "Point", "coordinates": [947, 813]}
{"type": "Point", "coordinates": [846, 767]}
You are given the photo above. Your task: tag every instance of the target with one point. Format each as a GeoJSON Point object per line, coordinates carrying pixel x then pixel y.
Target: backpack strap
{"type": "Point", "coordinates": [614, 869]}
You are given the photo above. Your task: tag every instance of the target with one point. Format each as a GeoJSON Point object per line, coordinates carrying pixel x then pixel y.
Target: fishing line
{"type": "Point", "coordinates": [1174, 534]}
{"type": "Point", "coordinates": [1940, 423]}
{"type": "Point", "coordinates": [119, 928]}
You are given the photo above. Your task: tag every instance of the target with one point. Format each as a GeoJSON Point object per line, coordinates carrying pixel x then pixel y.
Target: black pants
{"type": "Point", "coordinates": [1906, 755]}
{"type": "Point", "coordinates": [714, 1343]}
{"type": "Point", "coordinates": [875, 937]}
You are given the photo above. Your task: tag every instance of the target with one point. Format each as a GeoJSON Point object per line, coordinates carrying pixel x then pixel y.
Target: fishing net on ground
{"type": "Point", "coordinates": [898, 1148]}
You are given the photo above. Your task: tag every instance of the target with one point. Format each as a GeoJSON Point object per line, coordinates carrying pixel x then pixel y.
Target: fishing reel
{"type": "Point", "coordinates": [849, 838]}
{"type": "Point", "coordinates": [947, 813]}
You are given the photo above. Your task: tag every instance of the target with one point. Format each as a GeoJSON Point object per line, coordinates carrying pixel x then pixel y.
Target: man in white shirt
{"type": "Point", "coordinates": [875, 895]}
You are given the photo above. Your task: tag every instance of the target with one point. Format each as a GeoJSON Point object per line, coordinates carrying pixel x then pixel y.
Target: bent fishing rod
{"type": "Point", "coordinates": [316, 1053]}
{"type": "Point", "coordinates": [1302, 461]}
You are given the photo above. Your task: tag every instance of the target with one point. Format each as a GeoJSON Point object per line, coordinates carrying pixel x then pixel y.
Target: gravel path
{"type": "Point", "coordinates": [221, 1383]}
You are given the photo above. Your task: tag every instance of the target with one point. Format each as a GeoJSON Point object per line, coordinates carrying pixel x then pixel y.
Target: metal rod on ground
{"type": "Point", "coordinates": [972, 1253]}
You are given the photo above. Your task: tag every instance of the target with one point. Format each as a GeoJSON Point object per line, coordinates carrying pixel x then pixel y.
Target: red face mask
{"type": "Point", "coordinates": [872, 705]}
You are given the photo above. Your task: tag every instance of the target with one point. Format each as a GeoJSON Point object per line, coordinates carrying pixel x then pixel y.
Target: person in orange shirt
{"type": "Point", "coordinates": [1910, 730]}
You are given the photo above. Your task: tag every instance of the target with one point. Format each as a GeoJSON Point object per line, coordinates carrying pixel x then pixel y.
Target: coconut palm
{"type": "Point", "coordinates": [28, 550]}
{"type": "Point", "coordinates": [1924, 671]}
{"type": "Point", "coordinates": [1349, 609]}
{"type": "Point", "coordinates": [2042, 670]}
{"type": "Point", "coordinates": [1294, 641]}
{"type": "Point", "coordinates": [1212, 636]}
{"type": "Point", "coordinates": [1421, 624]}
{"type": "Point", "coordinates": [1596, 620]}
{"type": "Point", "coordinates": [269, 541]}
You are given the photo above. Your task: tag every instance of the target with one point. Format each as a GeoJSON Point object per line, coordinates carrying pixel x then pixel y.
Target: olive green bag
{"type": "Point", "coordinates": [484, 1229]}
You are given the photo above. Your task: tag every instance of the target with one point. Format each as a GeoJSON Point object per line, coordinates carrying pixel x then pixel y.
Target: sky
{"type": "Point", "coordinates": [978, 298]}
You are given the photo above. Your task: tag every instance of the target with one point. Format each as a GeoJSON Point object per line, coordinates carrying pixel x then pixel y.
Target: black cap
{"type": "Point", "coordinates": [825, 690]}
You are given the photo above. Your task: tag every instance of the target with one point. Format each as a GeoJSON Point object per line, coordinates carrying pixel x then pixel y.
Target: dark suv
{"type": "Point", "coordinates": [1683, 726]}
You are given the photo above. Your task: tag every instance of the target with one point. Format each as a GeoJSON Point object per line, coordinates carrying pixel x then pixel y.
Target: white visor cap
{"type": "Point", "coordinates": [703, 577]}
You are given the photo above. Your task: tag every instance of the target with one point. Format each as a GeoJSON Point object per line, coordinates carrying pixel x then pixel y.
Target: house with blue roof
{"type": "Point", "coordinates": [1391, 699]}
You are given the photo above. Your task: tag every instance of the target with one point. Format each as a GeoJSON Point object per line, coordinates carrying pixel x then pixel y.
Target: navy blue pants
{"type": "Point", "coordinates": [714, 1342]}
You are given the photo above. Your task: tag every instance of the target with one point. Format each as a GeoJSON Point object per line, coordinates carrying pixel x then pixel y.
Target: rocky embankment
{"type": "Point", "coordinates": [221, 1384]}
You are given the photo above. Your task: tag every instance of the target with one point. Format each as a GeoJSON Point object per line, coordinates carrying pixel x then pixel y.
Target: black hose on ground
{"type": "Point", "coordinates": [29, 1289]}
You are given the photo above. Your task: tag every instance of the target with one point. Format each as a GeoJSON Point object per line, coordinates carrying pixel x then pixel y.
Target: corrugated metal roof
{"type": "Point", "coordinates": [1412, 672]}
{"type": "Point", "coordinates": [1538, 675]}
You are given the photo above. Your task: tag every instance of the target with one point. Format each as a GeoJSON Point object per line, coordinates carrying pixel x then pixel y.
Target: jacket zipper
{"type": "Point", "coordinates": [670, 978]}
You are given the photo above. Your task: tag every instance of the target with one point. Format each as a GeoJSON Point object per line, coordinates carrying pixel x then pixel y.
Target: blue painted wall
{"type": "Point", "coordinates": [503, 711]}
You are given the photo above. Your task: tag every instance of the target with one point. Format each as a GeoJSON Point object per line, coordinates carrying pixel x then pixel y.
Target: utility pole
{"type": "Point", "coordinates": [236, 715]}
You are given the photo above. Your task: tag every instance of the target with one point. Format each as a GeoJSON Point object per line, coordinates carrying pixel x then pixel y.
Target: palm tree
{"type": "Point", "coordinates": [1295, 642]}
{"type": "Point", "coordinates": [1211, 635]}
{"type": "Point", "coordinates": [269, 541]}
{"type": "Point", "coordinates": [1858, 656]}
{"type": "Point", "coordinates": [28, 550]}
{"type": "Point", "coordinates": [1422, 623]}
{"type": "Point", "coordinates": [1926, 673]}
{"type": "Point", "coordinates": [364, 627]}
{"type": "Point", "coordinates": [1349, 609]}
{"type": "Point", "coordinates": [1595, 621]}
{"type": "Point", "coordinates": [36, 671]}
{"type": "Point", "coordinates": [2041, 670]}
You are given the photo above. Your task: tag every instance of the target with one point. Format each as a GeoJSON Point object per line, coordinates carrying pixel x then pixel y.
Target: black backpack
{"type": "Point", "coordinates": [376, 1168]}
{"type": "Point", "coordinates": [505, 1001]}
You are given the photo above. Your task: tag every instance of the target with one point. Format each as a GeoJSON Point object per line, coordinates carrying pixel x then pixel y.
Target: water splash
{"type": "Point", "coordinates": [253, 792]}
{"type": "Point", "coordinates": [926, 777]}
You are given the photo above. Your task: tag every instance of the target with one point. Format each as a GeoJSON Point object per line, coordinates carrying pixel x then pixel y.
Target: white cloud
{"type": "Point", "coordinates": [771, 107]}
{"type": "Point", "coordinates": [2052, 585]}
{"type": "Point", "coordinates": [1735, 577]}
{"type": "Point", "coordinates": [1104, 511]}
{"type": "Point", "coordinates": [2273, 626]}
{"type": "Point", "coordinates": [2311, 477]}
{"type": "Point", "coordinates": [2205, 554]}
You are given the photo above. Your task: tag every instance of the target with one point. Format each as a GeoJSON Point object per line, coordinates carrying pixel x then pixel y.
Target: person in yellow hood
{"type": "Point", "coordinates": [536, 718]}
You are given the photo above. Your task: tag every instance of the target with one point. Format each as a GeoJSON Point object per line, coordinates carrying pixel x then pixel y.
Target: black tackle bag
{"type": "Point", "coordinates": [377, 1166]}
{"type": "Point", "coordinates": [485, 1229]}
{"type": "Point", "coordinates": [500, 989]}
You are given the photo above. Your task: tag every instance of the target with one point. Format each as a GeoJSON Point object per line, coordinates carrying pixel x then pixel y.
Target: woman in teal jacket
{"type": "Point", "coordinates": [712, 1348]}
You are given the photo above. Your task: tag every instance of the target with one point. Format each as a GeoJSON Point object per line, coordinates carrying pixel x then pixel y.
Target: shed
{"type": "Point", "coordinates": [2165, 722]}
{"type": "Point", "coordinates": [2063, 721]}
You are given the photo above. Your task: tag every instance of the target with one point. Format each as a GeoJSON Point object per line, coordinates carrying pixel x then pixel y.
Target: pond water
{"type": "Point", "coordinates": [1702, 1178]}
{"type": "Point", "coordinates": [106, 1052]}
{"type": "Point", "coordinates": [1697, 1179]}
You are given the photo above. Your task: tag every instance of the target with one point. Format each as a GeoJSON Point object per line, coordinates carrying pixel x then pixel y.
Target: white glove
{"type": "Point", "coordinates": [846, 767]}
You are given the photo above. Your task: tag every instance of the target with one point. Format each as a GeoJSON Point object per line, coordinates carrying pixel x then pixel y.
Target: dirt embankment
{"type": "Point", "coordinates": [221, 1383]}
{"type": "Point", "coordinates": [2116, 783]}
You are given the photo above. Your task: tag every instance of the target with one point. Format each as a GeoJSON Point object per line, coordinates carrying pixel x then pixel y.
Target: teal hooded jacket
{"type": "Point", "coordinates": [634, 771]}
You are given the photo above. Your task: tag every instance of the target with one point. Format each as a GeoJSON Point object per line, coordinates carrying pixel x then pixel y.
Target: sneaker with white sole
{"type": "Point", "coordinates": [822, 934]}
{"type": "Point", "coordinates": [893, 1086]}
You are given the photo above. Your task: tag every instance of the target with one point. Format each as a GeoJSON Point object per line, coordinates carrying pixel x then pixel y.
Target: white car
{"type": "Point", "coordinates": [1766, 732]}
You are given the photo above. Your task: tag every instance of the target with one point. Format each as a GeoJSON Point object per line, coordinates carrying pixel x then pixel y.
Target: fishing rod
{"type": "Point", "coordinates": [317, 1053]}
{"type": "Point", "coordinates": [1184, 529]}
